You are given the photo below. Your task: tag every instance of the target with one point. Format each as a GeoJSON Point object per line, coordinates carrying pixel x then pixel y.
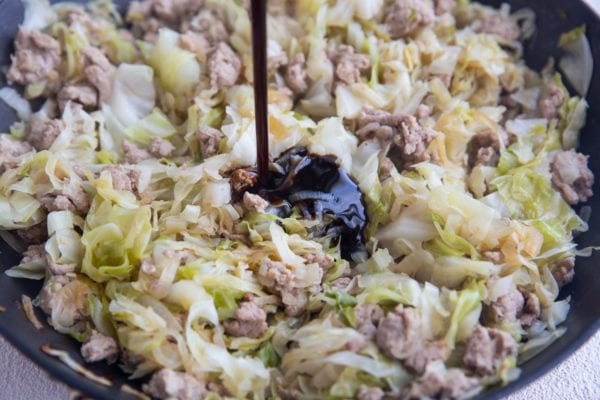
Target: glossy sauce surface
{"type": "Point", "coordinates": [318, 188]}
{"type": "Point", "coordinates": [314, 185]}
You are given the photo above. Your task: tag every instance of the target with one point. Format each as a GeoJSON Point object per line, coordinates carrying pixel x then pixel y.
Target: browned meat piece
{"type": "Point", "coordinates": [564, 271]}
{"type": "Point", "coordinates": [133, 154]}
{"type": "Point", "coordinates": [454, 384]}
{"type": "Point", "coordinates": [295, 74]}
{"type": "Point", "coordinates": [348, 64]}
{"type": "Point", "coordinates": [398, 332]}
{"type": "Point", "coordinates": [209, 24]}
{"type": "Point", "coordinates": [224, 66]}
{"type": "Point", "coordinates": [404, 17]}
{"type": "Point", "coordinates": [174, 10]}
{"type": "Point", "coordinates": [42, 132]}
{"type": "Point", "coordinates": [143, 19]}
{"type": "Point", "coordinates": [531, 310]}
{"type": "Point", "coordinates": [487, 348]}
{"type": "Point", "coordinates": [59, 269]}
{"type": "Point", "coordinates": [160, 147]}
{"type": "Point", "coordinates": [276, 275]}
{"type": "Point", "coordinates": [35, 234]}
{"type": "Point", "coordinates": [385, 168]}
{"type": "Point", "coordinates": [36, 59]}
{"type": "Point", "coordinates": [507, 307]}
{"type": "Point", "coordinates": [551, 98]}
{"type": "Point", "coordinates": [82, 94]}
{"type": "Point", "coordinates": [170, 384]}
{"type": "Point", "coordinates": [209, 139]}
{"type": "Point", "coordinates": [73, 198]}
{"type": "Point", "coordinates": [370, 393]}
{"type": "Point", "coordinates": [34, 253]}
{"type": "Point", "coordinates": [500, 25]}
{"type": "Point", "coordinates": [124, 178]}
{"type": "Point", "coordinates": [422, 355]}
{"type": "Point", "coordinates": [253, 202]}
{"type": "Point", "coordinates": [406, 135]}
{"type": "Point", "coordinates": [99, 72]}
{"type": "Point", "coordinates": [294, 300]}
{"type": "Point", "coordinates": [484, 149]}
{"type": "Point", "coordinates": [147, 17]}
{"type": "Point", "coordinates": [249, 320]}
{"type": "Point", "coordinates": [11, 152]}
{"type": "Point", "coordinates": [368, 317]}
{"type": "Point", "coordinates": [100, 347]}
{"type": "Point", "coordinates": [443, 6]}
{"type": "Point", "coordinates": [242, 179]}
{"type": "Point", "coordinates": [572, 177]}
{"type": "Point", "coordinates": [196, 43]}
{"type": "Point", "coordinates": [66, 299]}
{"type": "Point", "coordinates": [324, 260]}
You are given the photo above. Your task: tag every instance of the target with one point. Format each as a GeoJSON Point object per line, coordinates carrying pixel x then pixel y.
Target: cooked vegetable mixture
{"type": "Point", "coordinates": [130, 193]}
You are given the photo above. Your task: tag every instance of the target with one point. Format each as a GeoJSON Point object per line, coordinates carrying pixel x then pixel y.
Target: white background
{"type": "Point", "coordinates": [578, 378]}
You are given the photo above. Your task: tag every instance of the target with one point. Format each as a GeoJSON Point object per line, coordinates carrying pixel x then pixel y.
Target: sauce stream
{"type": "Point", "coordinates": [259, 53]}
{"type": "Point", "coordinates": [313, 185]}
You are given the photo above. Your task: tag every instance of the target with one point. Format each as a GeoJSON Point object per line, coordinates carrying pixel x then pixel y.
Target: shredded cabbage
{"type": "Point", "coordinates": [142, 214]}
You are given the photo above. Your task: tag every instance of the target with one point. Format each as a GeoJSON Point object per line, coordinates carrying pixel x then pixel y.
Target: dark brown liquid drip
{"type": "Point", "coordinates": [259, 53]}
{"type": "Point", "coordinates": [313, 185]}
{"type": "Point", "coordinates": [316, 187]}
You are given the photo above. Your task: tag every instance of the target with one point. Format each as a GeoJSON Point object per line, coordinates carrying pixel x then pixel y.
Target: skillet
{"type": "Point", "coordinates": [553, 18]}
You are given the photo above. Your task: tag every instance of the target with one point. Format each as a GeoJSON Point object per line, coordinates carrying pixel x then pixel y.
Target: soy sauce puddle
{"type": "Point", "coordinates": [311, 184]}
{"type": "Point", "coordinates": [317, 188]}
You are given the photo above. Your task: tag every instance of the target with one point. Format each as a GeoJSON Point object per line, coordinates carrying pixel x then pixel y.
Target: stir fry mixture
{"type": "Point", "coordinates": [132, 194]}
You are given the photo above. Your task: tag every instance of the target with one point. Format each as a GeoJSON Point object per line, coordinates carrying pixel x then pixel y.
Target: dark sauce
{"type": "Point", "coordinates": [317, 188]}
{"type": "Point", "coordinates": [313, 185]}
{"type": "Point", "coordinates": [259, 57]}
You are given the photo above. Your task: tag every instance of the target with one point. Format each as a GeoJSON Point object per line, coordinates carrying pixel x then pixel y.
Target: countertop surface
{"type": "Point", "coordinates": [578, 378]}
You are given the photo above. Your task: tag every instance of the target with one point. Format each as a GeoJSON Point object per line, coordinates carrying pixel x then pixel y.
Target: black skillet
{"type": "Point", "coordinates": [553, 18]}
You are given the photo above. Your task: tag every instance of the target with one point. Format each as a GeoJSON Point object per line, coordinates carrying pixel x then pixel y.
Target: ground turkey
{"type": "Point", "coordinates": [42, 132]}
{"type": "Point", "coordinates": [500, 25]}
{"type": "Point", "coordinates": [295, 74]}
{"type": "Point", "coordinates": [367, 318]}
{"type": "Point", "coordinates": [36, 59]}
{"type": "Point", "coordinates": [408, 138]}
{"type": "Point", "coordinates": [209, 139]}
{"type": "Point", "coordinates": [169, 384]}
{"type": "Point", "coordinates": [572, 177]}
{"type": "Point", "coordinates": [451, 384]}
{"type": "Point", "coordinates": [249, 320]}
{"type": "Point", "coordinates": [487, 349]}
{"type": "Point", "coordinates": [253, 202]}
{"type": "Point", "coordinates": [550, 100]}
{"type": "Point", "coordinates": [11, 152]}
{"type": "Point", "coordinates": [405, 17]}
{"type": "Point", "coordinates": [160, 147]}
{"type": "Point", "coordinates": [100, 347]}
{"type": "Point", "coordinates": [224, 66]}
{"type": "Point", "coordinates": [348, 64]}
{"type": "Point", "coordinates": [484, 149]}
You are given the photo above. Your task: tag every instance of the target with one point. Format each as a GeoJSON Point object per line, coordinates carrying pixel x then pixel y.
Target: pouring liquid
{"type": "Point", "coordinates": [314, 185]}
